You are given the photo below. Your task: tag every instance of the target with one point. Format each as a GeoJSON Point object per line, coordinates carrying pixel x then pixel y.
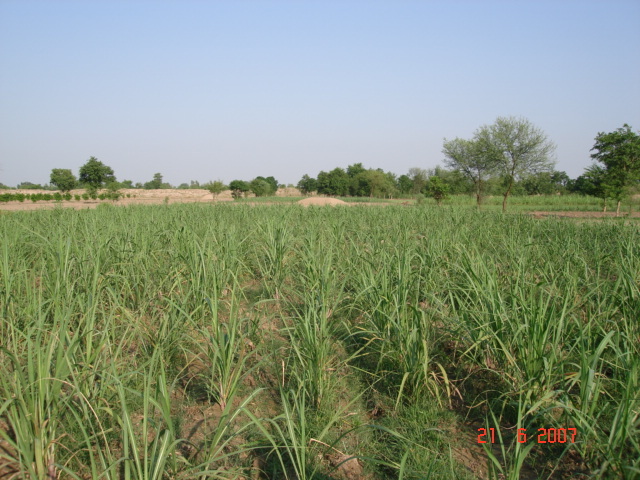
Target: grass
{"type": "Point", "coordinates": [220, 341]}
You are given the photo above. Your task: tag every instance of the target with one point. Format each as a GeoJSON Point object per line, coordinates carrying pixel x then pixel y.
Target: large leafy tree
{"type": "Point", "coordinates": [404, 184]}
{"type": "Point", "coordinates": [260, 187]}
{"type": "Point", "coordinates": [64, 179]}
{"type": "Point", "coordinates": [517, 148]}
{"type": "Point", "coordinates": [307, 184]}
{"type": "Point", "coordinates": [472, 159]}
{"type": "Point", "coordinates": [94, 174]}
{"type": "Point", "coordinates": [373, 183]}
{"type": "Point", "coordinates": [355, 169]}
{"type": "Point", "coordinates": [273, 183]}
{"type": "Point", "coordinates": [335, 183]}
{"type": "Point", "coordinates": [238, 188]}
{"type": "Point", "coordinates": [619, 152]}
{"type": "Point", "coordinates": [419, 177]}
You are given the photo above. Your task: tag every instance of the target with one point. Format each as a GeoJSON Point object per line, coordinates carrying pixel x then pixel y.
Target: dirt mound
{"type": "Point", "coordinates": [321, 201]}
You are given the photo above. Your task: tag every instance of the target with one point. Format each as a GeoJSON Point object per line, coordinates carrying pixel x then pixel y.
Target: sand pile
{"type": "Point", "coordinates": [321, 201]}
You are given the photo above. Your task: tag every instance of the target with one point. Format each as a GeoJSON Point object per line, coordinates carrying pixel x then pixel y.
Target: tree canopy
{"type": "Point", "coordinates": [216, 187]}
{"type": "Point", "coordinates": [307, 184]}
{"type": "Point", "coordinates": [333, 183]}
{"type": "Point", "coordinates": [95, 174]}
{"type": "Point", "coordinates": [471, 159]}
{"type": "Point", "coordinates": [263, 187]}
{"type": "Point", "coordinates": [238, 188]}
{"type": "Point", "coordinates": [517, 148]}
{"type": "Point", "coordinates": [64, 179]}
{"type": "Point", "coordinates": [619, 153]}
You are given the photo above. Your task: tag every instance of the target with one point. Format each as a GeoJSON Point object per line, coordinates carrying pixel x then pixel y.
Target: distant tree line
{"type": "Point", "coordinates": [508, 157]}
{"type": "Point", "coordinates": [376, 183]}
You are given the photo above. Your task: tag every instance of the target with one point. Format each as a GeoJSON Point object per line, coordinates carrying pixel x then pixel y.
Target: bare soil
{"type": "Point", "coordinates": [321, 201]}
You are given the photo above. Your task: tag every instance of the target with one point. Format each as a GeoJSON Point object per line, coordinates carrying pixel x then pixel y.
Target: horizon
{"type": "Point", "coordinates": [234, 90]}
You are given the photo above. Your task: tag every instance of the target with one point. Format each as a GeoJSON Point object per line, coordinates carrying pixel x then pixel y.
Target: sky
{"type": "Point", "coordinates": [205, 90]}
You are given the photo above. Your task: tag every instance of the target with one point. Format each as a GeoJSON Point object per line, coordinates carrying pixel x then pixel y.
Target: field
{"type": "Point", "coordinates": [253, 341]}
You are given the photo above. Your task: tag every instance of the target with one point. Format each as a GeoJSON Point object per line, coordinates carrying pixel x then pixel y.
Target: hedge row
{"type": "Point", "coordinates": [57, 197]}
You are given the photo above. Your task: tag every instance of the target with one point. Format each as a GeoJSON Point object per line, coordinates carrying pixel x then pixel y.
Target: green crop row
{"type": "Point", "coordinates": [57, 197]}
{"type": "Point", "coordinates": [34, 197]}
{"type": "Point", "coordinates": [274, 341]}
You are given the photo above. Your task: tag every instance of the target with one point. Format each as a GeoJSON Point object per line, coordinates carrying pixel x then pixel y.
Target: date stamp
{"type": "Point", "coordinates": [544, 435]}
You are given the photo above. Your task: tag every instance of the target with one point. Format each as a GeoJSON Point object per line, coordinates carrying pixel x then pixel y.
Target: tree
{"type": "Point", "coordinates": [154, 184]}
{"type": "Point", "coordinates": [260, 187]}
{"type": "Point", "coordinates": [306, 185]}
{"type": "Point", "coordinates": [383, 184]}
{"type": "Point", "coordinates": [64, 179]}
{"type": "Point", "coordinates": [357, 176]}
{"type": "Point", "coordinates": [334, 183]}
{"type": "Point", "coordinates": [619, 152]}
{"type": "Point", "coordinates": [470, 157]}
{"type": "Point", "coordinates": [216, 187]}
{"type": "Point", "coordinates": [458, 183]}
{"type": "Point", "coordinates": [404, 184]}
{"type": "Point", "coordinates": [592, 182]}
{"type": "Point", "coordinates": [373, 183]}
{"type": "Point", "coordinates": [273, 183]}
{"type": "Point", "coordinates": [94, 174]}
{"type": "Point", "coordinates": [238, 188]}
{"type": "Point", "coordinates": [437, 189]}
{"type": "Point", "coordinates": [517, 148]}
{"type": "Point", "coordinates": [360, 185]}
{"type": "Point", "coordinates": [419, 177]}
{"type": "Point", "coordinates": [545, 183]}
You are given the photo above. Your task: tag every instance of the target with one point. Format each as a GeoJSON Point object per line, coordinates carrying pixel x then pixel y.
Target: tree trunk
{"type": "Point", "coordinates": [504, 200]}
{"type": "Point", "coordinates": [604, 209]}
{"type": "Point", "coordinates": [618, 209]}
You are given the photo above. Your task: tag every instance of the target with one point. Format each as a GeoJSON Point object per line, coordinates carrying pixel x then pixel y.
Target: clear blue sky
{"type": "Point", "coordinates": [201, 90]}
